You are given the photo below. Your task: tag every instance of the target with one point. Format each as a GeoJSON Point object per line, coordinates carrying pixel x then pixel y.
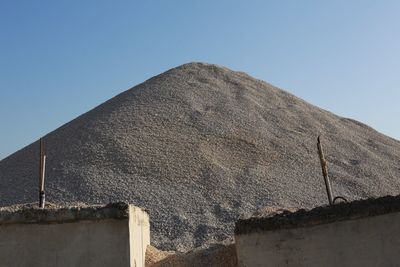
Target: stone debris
{"type": "Point", "coordinates": [199, 147]}
{"type": "Point", "coordinates": [220, 255]}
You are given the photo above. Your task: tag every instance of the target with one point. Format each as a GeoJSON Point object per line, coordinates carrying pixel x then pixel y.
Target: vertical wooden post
{"type": "Point", "coordinates": [42, 168]}
{"type": "Point", "coordinates": [325, 171]}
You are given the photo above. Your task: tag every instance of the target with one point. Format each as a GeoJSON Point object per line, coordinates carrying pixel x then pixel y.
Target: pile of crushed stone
{"type": "Point", "coordinates": [200, 146]}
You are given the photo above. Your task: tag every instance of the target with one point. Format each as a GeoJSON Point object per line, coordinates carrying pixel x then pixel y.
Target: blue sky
{"type": "Point", "coordinates": [58, 59]}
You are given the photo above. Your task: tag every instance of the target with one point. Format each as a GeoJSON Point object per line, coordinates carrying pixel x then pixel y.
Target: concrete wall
{"type": "Point", "coordinates": [139, 235]}
{"type": "Point", "coordinates": [93, 242]}
{"type": "Point", "coordinates": [369, 241]}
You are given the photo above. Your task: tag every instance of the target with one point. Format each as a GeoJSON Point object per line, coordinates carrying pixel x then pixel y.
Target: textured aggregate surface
{"type": "Point", "coordinates": [53, 213]}
{"type": "Point", "coordinates": [200, 146]}
{"type": "Point", "coordinates": [287, 219]}
{"type": "Point", "coordinates": [219, 255]}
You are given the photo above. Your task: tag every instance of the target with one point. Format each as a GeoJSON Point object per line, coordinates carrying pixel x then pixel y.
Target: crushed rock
{"type": "Point", "coordinates": [199, 147]}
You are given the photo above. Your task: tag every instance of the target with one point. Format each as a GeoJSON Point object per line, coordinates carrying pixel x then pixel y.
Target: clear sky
{"type": "Point", "coordinates": [58, 59]}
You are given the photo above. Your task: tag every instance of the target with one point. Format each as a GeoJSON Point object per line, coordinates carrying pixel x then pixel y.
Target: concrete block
{"type": "Point", "coordinates": [112, 235]}
{"type": "Point", "coordinates": [363, 233]}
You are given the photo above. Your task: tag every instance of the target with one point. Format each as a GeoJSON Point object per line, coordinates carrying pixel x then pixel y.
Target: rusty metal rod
{"type": "Point", "coordinates": [42, 169]}
{"type": "Point", "coordinates": [325, 171]}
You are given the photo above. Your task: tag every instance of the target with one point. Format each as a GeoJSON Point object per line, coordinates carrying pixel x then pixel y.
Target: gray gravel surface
{"type": "Point", "coordinates": [200, 146]}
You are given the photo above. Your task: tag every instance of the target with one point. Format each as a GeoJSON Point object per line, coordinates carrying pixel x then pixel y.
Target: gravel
{"type": "Point", "coordinates": [200, 146]}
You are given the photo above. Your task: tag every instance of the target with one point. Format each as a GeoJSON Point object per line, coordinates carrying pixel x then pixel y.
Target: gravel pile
{"type": "Point", "coordinates": [200, 146]}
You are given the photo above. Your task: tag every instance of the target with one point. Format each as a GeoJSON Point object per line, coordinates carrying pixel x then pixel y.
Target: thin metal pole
{"type": "Point", "coordinates": [325, 171]}
{"type": "Point", "coordinates": [42, 168]}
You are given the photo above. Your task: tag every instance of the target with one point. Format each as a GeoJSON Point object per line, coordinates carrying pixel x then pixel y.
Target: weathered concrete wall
{"type": "Point", "coordinates": [366, 233]}
{"type": "Point", "coordinates": [85, 243]}
{"type": "Point", "coordinates": [102, 236]}
{"type": "Point", "coordinates": [139, 236]}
